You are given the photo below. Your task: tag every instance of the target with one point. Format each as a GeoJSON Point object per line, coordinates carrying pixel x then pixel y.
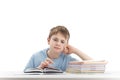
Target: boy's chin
{"type": "Point", "coordinates": [58, 51]}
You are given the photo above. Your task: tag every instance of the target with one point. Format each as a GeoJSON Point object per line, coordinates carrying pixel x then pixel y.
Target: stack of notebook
{"type": "Point", "coordinates": [86, 66]}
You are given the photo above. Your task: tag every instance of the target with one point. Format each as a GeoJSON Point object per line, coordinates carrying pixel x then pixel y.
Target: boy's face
{"type": "Point", "coordinates": [57, 42]}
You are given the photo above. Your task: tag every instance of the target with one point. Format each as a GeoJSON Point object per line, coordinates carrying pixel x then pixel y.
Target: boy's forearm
{"type": "Point", "coordinates": [82, 55]}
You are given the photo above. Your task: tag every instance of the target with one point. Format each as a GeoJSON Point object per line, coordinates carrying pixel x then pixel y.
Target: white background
{"type": "Point", "coordinates": [25, 24]}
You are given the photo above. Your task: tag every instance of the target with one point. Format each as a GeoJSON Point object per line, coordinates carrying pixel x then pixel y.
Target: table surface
{"type": "Point", "coordinates": [84, 76]}
{"type": "Point", "coordinates": [59, 75]}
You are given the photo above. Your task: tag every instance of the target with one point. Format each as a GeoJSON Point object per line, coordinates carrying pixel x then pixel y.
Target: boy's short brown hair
{"type": "Point", "coordinates": [62, 29]}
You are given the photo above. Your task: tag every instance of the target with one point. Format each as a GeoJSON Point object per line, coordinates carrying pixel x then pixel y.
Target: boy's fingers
{"type": "Point", "coordinates": [66, 50]}
{"type": "Point", "coordinates": [42, 65]}
{"type": "Point", "coordinates": [49, 60]}
{"type": "Point", "coordinates": [46, 63]}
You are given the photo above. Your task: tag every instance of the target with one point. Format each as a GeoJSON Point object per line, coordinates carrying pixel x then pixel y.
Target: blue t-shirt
{"type": "Point", "coordinates": [61, 62]}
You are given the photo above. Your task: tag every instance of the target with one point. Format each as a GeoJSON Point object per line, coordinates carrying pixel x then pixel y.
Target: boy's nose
{"type": "Point", "coordinates": [58, 43]}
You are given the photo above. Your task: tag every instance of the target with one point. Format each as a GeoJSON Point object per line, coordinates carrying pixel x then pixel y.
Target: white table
{"type": "Point", "coordinates": [59, 76]}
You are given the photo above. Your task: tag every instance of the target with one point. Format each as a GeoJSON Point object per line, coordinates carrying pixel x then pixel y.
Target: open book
{"type": "Point", "coordinates": [45, 70]}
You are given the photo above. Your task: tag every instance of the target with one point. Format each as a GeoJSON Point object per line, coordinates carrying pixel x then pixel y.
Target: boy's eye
{"type": "Point", "coordinates": [63, 42]}
{"type": "Point", "coordinates": [55, 39]}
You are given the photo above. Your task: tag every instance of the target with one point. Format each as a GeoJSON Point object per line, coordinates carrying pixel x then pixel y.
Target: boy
{"type": "Point", "coordinates": [57, 55]}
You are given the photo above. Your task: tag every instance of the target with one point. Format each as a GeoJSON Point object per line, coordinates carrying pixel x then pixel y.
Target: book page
{"type": "Point", "coordinates": [45, 70]}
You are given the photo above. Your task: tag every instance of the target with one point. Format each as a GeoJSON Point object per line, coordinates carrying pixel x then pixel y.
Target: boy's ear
{"type": "Point", "coordinates": [48, 39]}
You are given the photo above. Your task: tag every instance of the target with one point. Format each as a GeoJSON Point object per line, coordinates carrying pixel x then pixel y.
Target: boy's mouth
{"type": "Point", "coordinates": [57, 48]}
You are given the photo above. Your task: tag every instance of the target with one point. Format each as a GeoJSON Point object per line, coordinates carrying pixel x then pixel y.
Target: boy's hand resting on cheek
{"type": "Point", "coordinates": [69, 49]}
{"type": "Point", "coordinates": [45, 63]}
